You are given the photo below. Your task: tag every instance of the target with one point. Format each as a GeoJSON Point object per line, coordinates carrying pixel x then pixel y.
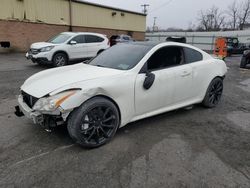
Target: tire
{"type": "Point", "coordinates": [99, 52]}
{"type": "Point", "coordinates": [94, 123]}
{"type": "Point", "coordinates": [59, 60]}
{"type": "Point", "coordinates": [244, 63]}
{"type": "Point", "coordinates": [214, 93]}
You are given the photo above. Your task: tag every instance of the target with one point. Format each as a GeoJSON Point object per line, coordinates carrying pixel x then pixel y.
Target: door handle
{"type": "Point", "coordinates": [185, 73]}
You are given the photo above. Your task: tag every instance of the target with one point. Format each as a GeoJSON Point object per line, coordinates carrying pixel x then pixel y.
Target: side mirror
{"type": "Point", "coordinates": [72, 42]}
{"type": "Point", "coordinates": [149, 80]}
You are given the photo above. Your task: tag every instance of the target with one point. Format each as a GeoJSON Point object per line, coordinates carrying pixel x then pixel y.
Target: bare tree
{"type": "Point", "coordinates": [212, 19]}
{"type": "Point", "coordinates": [233, 12]}
{"type": "Point", "coordinates": [244, 13]}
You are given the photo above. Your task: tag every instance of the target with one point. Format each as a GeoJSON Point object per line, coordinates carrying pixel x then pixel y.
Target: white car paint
{"type": "Point", "coordinates": [76, 51]}
{"type": "Point", "coordinates": [183, 85]}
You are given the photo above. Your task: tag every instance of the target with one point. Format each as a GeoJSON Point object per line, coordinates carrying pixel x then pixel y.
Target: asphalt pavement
{"type": "Point", "coordinates": [198, 147]}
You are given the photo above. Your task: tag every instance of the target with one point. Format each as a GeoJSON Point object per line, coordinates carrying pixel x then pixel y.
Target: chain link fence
{"type": "Point", "coordinates": [202, 40]}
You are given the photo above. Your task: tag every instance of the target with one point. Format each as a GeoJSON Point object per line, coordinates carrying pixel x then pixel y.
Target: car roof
{"type": "Point", "coordinates": [83, 33]}
{"type": "Point", "coordinates": [155, 43]}
{"type": "Point", "coordinates": [146, 43]}
{"type": "Point", "coordinates": [152, 44]}
{"type": "Point", "coordinates": [176, 37]}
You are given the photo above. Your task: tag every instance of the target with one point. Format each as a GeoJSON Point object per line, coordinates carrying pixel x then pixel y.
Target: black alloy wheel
{"type": "Point", "coordinates": [94, 123]}
{"type": "Point", "coordinates": [98, 125]}
{"type": "Point", "coordinates": [214, 93]}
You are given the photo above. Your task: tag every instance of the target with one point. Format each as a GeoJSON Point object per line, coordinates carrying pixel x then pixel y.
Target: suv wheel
{"type": "Point", "coordinates": [59, 60]}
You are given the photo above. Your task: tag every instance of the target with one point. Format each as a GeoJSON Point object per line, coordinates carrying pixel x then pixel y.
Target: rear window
{"type": "Point", "coordinates": [79, 39]}
{"type": "Point", "coordinates": [126, 38]}
{"type": "Point", "coordinates": [192, 55]}
{"type": "Point", "coordinates": [93, 39]}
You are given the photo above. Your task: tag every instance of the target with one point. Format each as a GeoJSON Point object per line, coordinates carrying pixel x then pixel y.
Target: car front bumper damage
{"type": "Point", "coordinates": [24, 110]}
{"type": "Point", "coordinates": [47, 121]}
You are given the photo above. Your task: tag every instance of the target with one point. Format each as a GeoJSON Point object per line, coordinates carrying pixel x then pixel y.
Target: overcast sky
{"type": "Point", "coordinates": [169, 13]}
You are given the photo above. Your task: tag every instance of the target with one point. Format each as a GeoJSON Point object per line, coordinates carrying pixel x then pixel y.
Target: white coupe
{"type": "Point", "coordinates": [123, 84]}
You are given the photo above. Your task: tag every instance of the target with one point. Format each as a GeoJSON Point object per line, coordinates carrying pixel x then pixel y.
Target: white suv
{"type": "Point", "coordinates": [66, 47]}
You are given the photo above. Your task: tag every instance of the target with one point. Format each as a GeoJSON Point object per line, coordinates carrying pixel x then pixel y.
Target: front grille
{"type": "Point", "coordinates": [34, 51]}
{"type": "Point", "coordinates": [28, 99]}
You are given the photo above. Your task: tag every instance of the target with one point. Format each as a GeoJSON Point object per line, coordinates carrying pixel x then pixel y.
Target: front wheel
{"type": "Point", "coordinates": [59, 60]}
{"type": "Point", "coordinates": [94, 123]}
{"type": "Point", "coordinates": [214, 93]}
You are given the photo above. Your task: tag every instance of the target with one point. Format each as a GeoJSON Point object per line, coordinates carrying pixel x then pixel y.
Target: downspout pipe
{"type": "Point", "coordinates": [70, 15]}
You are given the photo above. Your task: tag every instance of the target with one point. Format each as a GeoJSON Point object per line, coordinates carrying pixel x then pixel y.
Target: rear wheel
{"type": "Point", "coordinates": [244, 63]}
{"type": "Point", "coordinates": [94, 123]}
{"type": "Point", "coordinates": [214, 93]}
{"type": "Point", "coordinates": [60, 59]}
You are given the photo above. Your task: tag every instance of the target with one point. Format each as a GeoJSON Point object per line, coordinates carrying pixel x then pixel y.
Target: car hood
{"type": "Point", "coordinates": [47, 81]}
{"type": "Point", "coordinates": [39, 45]}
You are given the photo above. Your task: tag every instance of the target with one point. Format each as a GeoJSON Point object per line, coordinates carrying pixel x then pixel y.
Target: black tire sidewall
{"type": "Point", "coordinates": [99, 52]}
{"type": "Point", "coordinates": [205, 101]}
{"type": "Point", "coordinates": [244, 63]}
{"type": "Point", "coordinates": [75, 118]}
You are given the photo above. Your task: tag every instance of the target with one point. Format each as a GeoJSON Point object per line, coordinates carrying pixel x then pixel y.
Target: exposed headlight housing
{"type": "Point", "coordinates": [46, 49]}
{"type": "Point", "coordinates": [49, 104]}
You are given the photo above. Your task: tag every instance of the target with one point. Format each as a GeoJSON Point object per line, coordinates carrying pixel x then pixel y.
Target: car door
{"type": "Point", "coordinates": [183, 83]}
{"type": "Point", "coordinates": [78, 50]}
{"type": "Point", "coordinates": [199, 67]}
{"type": "Point", "coordinates": [160, 94]}
{"type": "Point", "coordinates": [167, 64]}
{"type": "Point", "coordinates": [94, 44]}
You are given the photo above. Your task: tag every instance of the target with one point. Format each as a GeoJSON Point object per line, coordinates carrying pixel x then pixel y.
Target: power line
{"type": "Point", "coordinates": [161, 6]}
{"type": "Point", "coordinates": [145, 11]}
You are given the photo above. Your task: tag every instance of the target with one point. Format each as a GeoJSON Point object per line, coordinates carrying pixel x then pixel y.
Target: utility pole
{"type": "Point", "coordinates": [154, 25]}
{"type": "Point", "coordinates": [145, 11]}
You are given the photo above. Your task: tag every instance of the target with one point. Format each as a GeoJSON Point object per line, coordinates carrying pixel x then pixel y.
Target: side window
{"type": "Point", "coordinates": [79, 39]}
{"type": "Point", "coordinates": [166, 57]}
{"type": "Point", "coordinates": [93, 39]}
{"type": "Point", "coordinates": [126, 38]}
{"type": "Point", "coordinates": [192, 55]}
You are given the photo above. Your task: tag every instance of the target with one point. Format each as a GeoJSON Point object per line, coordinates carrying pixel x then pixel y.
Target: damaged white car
{"type": "Point", "coordinates": [123, 84]}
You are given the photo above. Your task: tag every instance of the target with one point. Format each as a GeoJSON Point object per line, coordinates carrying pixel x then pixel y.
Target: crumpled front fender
{"type": "Point", "coordinates": [79, 98]}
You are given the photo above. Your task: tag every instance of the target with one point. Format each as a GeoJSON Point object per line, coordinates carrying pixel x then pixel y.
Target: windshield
{"type": "Point", "coordinates": [58, 39]}
{"type": "Point", "coordinates": [121, 56]}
